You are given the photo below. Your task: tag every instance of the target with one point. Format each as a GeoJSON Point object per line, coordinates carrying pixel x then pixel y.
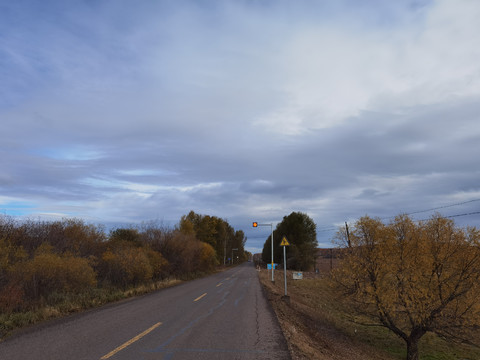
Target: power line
{"type": "Point", "coordinates": [326, 229]}
{"type": "Point", "coordinates": [436, 208]}
{"type": "Point", "coordinates": [472, 213]}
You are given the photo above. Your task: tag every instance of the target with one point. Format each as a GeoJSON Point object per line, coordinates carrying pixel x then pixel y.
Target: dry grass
{"type": "Point", "coordinates": [60, 305]}
{"type": "Point", "coordinates": [318, 326]}
{"type": "Point", "coordinates": [310, 321]}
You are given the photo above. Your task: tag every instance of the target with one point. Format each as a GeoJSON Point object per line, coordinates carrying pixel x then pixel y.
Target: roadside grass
{"type": "Point", "coordinates": [61, 304]}
{"type": "Point", "coordinates": [315, 297]}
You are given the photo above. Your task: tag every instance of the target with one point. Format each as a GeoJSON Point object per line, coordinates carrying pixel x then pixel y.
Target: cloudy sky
{"type": "Point", "coordinates": [130, 111]}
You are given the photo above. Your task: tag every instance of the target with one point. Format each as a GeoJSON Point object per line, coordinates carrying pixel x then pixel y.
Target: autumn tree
{"type": "Point", "coordinates": [216, 232]}
{"type": "Point", "coordinates": [206, 258]}
{"type": "Point", "coordinates": [204, 227]}
{"type": "Point", "coordinates": [129, 260]}
{"type": "Point", "coordinates": [126, 266]}
{"type": "Point", "coordinates": [238, 242]}
{"type": "Point", "coordinates": [82, 239]}
{"type": "Point", "coordinates": [125, 237]}
{"type": "Point", "coordinates": [414, 278]}
{"type": "Point", "coordinates": [158, 264]}
{"type": "Point", "coordinates": [48, 272]}
{"type": "Point", "coordinates": [40, 259]}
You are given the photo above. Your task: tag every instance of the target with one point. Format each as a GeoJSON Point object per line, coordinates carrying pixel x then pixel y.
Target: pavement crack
{"type": "Point", "coordinates": [257, 321]}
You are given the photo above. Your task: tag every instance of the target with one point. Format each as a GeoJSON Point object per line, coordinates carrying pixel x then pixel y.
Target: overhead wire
{"type": "Point", "coordinates": [327, 228]}
{"type": "Point", "coordinates": [436, 208]}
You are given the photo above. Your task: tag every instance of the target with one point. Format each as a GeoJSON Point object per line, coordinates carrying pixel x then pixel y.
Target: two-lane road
{"type": "Point", "coordinates": [224, 316]}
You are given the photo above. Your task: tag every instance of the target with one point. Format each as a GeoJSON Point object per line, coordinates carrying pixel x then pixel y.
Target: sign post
{"type": "Point", "coordinates": [285, 243]}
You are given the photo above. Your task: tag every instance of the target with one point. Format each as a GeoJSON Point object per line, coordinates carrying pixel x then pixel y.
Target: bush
{"type": "Point", "coordinates": [11, 297]}
{"type": "Point", "coordinates": [208, 258]}
{"type": "Point", "coordinates": [48, 272]}
{"type": "Point", "coordinates": [126, 266]}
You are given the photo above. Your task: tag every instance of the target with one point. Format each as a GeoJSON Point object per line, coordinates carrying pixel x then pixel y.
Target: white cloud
{"type": "Point", "coordinates": [334, 71]}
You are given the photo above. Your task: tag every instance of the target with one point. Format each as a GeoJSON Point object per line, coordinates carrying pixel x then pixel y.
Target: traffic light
{"type": "Point", "coordinates": [255, 224]}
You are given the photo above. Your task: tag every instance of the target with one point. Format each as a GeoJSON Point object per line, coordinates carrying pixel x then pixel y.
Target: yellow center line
{"type": "Point", "coordinates": [130, 342]}
{"type": "Point", "coordinates": [219, 284]}
{"type": "Point", "coordinates": [201, 296]}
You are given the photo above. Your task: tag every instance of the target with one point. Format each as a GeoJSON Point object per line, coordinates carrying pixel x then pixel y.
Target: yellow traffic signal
{"type": "Point", "coordinates": [255, 224]}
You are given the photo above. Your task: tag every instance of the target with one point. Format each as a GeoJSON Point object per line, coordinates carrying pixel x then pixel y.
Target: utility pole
{"type": "Point", "coordinates": [348, 235]}
{"type": "Point", "coordinates": [225, 250]}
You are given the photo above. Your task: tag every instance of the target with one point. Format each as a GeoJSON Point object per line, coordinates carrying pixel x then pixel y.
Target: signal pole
{"type": "Point", "coordinates": [256, 224]}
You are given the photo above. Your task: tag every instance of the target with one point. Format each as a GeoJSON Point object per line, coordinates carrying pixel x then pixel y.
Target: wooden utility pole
{"type": "Point", "coordinates": [348, 235]}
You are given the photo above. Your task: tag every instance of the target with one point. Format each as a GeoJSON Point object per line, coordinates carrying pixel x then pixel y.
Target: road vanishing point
{"type": "Point", "coordinates": [223, 316]}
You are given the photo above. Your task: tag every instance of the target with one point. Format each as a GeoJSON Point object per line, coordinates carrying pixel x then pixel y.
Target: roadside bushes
{"type": "Point", "coordinates": [48, 272]}
{"type": "Point", "coordinates": [127, 267]}
{"type": "Point", "coordinates": [11, 297]}
{"type": "Point", "coordinates": [208, 260]}
{"type": "Point", "coordinates": [45, 263]}
{"type": "Point", "coordinates": [185, 254]}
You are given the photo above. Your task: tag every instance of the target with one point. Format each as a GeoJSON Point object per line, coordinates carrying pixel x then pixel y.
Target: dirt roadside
{"type": "Point", "coordinates": [309, 333]}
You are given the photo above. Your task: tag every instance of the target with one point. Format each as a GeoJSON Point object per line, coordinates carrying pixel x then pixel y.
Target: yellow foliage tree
{"type": "Point", "coordinates": [127, 266]}
{"type": "Point", "coordinates": [208, 258]}
{"type": "Point", "coordinates": [158, 264]}
{"type": "Point", "coordinates": [48, 272]}
{"type": "Point", "coordinates": [414, 278]}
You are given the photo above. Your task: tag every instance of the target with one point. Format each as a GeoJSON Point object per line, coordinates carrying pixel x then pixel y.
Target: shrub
{"type": "Point", "coordinates": [126, 266]}
{"type": "Point", "coordinates": [48, 272]}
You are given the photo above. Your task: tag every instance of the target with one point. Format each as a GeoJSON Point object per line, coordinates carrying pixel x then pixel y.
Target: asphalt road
{"type": "Point", "coordinates": [224, 316]}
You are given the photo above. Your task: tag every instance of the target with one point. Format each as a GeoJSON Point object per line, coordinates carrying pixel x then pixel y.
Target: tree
{"type": "Point", "coordinates": [300, 230]}
{"type": "Point", "coordinates": [414, 278]}
{"type": "Point", "coordinates": [214, 231]}
{"type": "Point", "coordinates": [207, 259]}
{"type": "Point", "coordinates": [238, 242]}
{"type": "Point", "coordinates": [125, 237]}
{"type": "Point", "coordinates": [186, 226]}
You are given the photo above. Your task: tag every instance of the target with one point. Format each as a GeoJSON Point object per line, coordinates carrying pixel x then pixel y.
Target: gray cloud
{"type": "Point", "coordinates": [247, 111]}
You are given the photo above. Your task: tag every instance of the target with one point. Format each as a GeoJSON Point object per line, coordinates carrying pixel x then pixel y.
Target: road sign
{"type": "Point", "coordinates": [285, 243]}
{"type": "Point", "coordinates": [298, 275]}
{"type": "Point", "coordinates": [269, 266]}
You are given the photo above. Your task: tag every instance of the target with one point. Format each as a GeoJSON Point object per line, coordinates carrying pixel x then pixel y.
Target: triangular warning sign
{"type": "Point", "coordinates": [284, 242]}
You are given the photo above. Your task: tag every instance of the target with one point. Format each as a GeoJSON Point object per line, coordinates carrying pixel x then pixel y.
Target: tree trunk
{"type": "Point", "coordinates": [412, 349]}
{"type": "Point", "coordinates": [412, 344]}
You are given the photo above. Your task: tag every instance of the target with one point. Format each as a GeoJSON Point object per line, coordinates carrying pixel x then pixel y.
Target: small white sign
{"type": "Point", "coordinates": [298, 276]}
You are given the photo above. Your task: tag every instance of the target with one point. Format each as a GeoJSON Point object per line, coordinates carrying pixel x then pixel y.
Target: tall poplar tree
{"type": "Point", "coordinates": [300, 231]}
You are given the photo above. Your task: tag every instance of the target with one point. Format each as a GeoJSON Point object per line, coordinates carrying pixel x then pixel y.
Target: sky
{"type": "Point", "coordinates": [122, 112]}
